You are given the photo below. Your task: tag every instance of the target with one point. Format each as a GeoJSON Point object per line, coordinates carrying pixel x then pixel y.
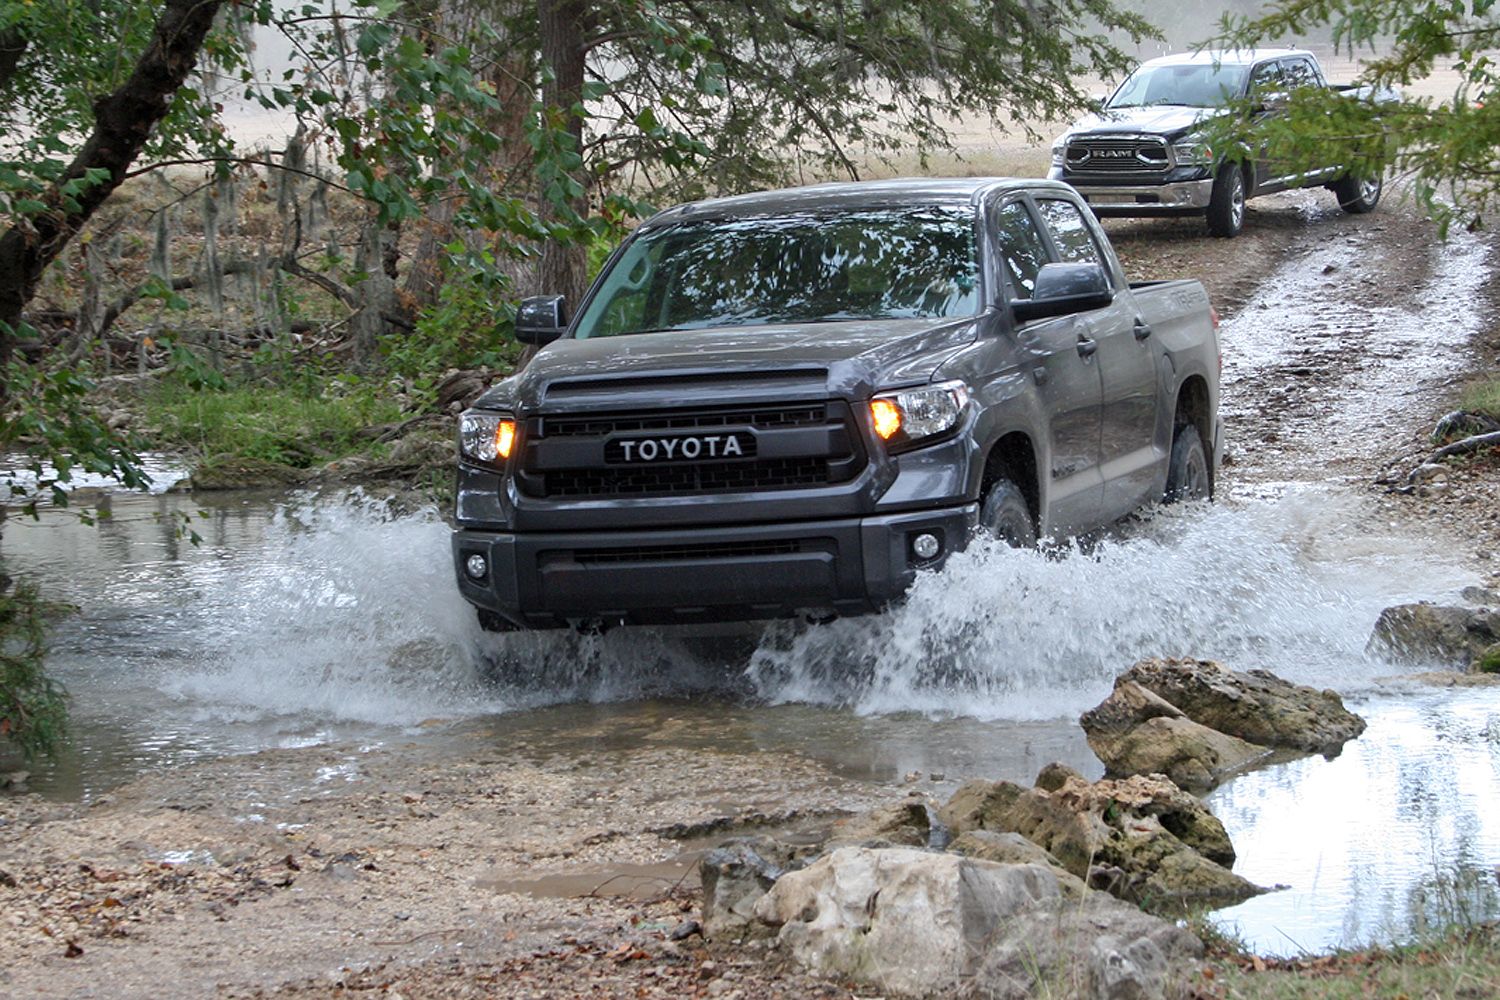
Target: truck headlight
{"type": "Point", "coordinates": [1060, 152]}
{"type": "Point", "coordinates": [1193, 153]}
{"type": "Point", "coordinates": [911, 415]}
{"type": "Point", "coordinates": [486, 437]}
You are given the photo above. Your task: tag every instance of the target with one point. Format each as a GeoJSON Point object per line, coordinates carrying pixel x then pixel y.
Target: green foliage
{"type": "Point", "coordinates": [300, 425]}
{"type": "Point", "coordinates": [470, 326]}
{"type": "Point", "coordinates": [1489, 661]}
{"type": "Point", "coordinates": [47, 418]}
{"type": "Point", "coordinates": [1449, 147]}
{"type": "Point", "coordinates": [1483, 397]}
{"type": "Point", "coordinates": [33, 708]}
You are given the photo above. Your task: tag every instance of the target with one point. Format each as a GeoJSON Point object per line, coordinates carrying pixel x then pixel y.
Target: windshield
{"type": "Point", "coordinates": [889, 263]}
{"type": "Point", "coordinates": [1196, 85]}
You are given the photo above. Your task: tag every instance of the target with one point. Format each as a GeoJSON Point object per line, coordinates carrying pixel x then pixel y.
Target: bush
{"type": "Point", "coordinates": [33, 707]}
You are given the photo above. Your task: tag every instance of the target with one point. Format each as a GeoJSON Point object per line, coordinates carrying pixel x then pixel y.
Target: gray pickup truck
{"type": "Point", "coordinates": [788, 404]}
{"type": "Point", "coordinates": [1146, 151]}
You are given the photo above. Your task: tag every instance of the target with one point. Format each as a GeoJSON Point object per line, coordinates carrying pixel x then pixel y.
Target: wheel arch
{"type": "Point", "coordinates": [1013, 456]}
{"type": "Point", "coordinates": [1194, 408]}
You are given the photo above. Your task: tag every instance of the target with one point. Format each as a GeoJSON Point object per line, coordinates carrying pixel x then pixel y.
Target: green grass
{"type": "Point", "coordinates": [1458, 965]}
{"type": "Point", "coordinates": [1483, 397]}
{"type": "Point", "coordinates": [292, 426]}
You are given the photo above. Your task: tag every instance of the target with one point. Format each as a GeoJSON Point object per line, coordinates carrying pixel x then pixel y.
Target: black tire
{"type": "Point", "coordinates": [1188, 477]}
{"type": "Point", "coordinates": [1226, 206]}
{"type": "Point", "coordinates": [491, 622]}
{"type": "Point", "coordinates": [1358, 195]}
{"type": "Point", "coordinates": [1006, 515]}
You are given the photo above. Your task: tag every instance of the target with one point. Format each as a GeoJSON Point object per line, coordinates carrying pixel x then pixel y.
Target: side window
{"type": "Point", "coordinates": [1075, 244]}
{"type": "Point", "coordinates": [1300, 72]}
{"type": "Point", "coordinates": [1267, 78]}
{"type": "Point", "coordinates": [1021, 248]}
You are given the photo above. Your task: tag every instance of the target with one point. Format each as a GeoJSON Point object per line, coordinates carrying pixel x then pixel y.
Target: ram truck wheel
{"type": "Point", "coordinates": [1357, 195]}
{"type": "Point", "coordinates": [1226, 206]}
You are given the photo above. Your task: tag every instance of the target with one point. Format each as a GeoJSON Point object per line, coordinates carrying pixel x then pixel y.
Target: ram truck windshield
{"type": "Point", "coordinates": [1194, 85]}
{"type": "Point", "coordinates": [896, 263]}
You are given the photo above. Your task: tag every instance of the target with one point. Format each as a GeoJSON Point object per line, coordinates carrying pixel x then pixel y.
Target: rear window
{"type": "Point", "coordinates": [888, 263]}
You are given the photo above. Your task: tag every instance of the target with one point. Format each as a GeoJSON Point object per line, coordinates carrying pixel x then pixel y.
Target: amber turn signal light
{"type": "Point", "coordinates": [505, 438]}
{"type": "Point", "coordinates": [887, 416]}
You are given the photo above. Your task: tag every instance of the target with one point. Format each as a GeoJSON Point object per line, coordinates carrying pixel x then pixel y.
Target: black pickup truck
{"type": "Point", "coordinates": [1146, 151]}
{"type": "Point", "coordinates": [787, 404]}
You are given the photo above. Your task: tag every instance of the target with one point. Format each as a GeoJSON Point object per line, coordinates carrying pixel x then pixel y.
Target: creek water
{"type": "Point", "coordinates": [329, 619]}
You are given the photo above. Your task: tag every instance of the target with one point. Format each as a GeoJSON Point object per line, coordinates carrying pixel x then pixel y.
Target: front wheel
{"type": "Point", "coordinates": [1005, 515]}
{"type": "Point", "coordinates": [1357, 195]}
{"type": "Point", "coordinates": [1226, 205]}
{"type": "Point", "coordinates": [1187, 469]}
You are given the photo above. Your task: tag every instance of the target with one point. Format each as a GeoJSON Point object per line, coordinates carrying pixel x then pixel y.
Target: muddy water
{"type": "Point", "coordinates": [325, 620]}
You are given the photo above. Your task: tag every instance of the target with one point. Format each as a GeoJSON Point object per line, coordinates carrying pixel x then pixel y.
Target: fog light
{"type": "Point", "coordinates": [926, 546]}
{"type": "Point", "coordinates": [476, 567]}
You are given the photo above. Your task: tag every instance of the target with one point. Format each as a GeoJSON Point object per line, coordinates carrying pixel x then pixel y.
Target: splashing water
{"type": "Point", "coordinates": [1292, 585]}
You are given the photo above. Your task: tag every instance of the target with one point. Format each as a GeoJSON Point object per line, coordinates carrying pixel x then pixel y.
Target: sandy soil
{"type": "Point", "coordinates": [524, 872]}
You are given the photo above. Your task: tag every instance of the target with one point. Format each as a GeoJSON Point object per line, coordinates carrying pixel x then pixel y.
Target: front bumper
{"type": "Point", "coordinates": [1126, 199]}
{"type": "Point", "coordinates": [699, 575]}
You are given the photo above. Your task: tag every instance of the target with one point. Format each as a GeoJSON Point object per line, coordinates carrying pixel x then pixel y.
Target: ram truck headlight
{"type": "Point", "coordinates": [1192, 153]}
{"type": "Point", "coordinates": [486, 437]}
{"type": "Point", "coordinates": [913, 415]}
{"type": "Point", "coordinates": [1060, 152]}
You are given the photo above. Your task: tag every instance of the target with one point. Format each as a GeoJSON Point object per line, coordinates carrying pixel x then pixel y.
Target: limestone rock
{"type": "Point", "coordinates": [1431, 633]}
{"type": "Point", "coordinates": [238, 472]}
{"type": "Point", "coordinates": [1120, 834]}
{"type": "Point", "coordinates": [1255, 706]}
{"type": "Point", "coordinates": [1014, 849]}
{"type": "Point", "coordinates": [916, 923]}
{"type": "Point", "coordinates": [736, 874]}
{"type": "Point", "coordinates": [897, 824]}
{"type": "Point", "coordinates": [1134, 731]}
{"type": "Point", "coordinates": [977, 805]}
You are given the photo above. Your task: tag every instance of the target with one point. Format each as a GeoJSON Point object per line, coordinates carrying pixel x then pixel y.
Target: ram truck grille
{"type": "Point", "coordinates": [1117, 155]}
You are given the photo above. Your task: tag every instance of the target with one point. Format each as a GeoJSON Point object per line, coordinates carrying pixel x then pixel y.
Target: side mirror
{"type": "Point", "coordinates": [541, 319]}
{"type": "Point", "coordinates": [1065, 289]}
{"type": "Point", "coordinates": [1097, 99]}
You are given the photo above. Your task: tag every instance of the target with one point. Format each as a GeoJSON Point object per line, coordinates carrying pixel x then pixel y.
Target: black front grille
{"type": "Point", "coordinates": [791, 416]}
{"type": "Point", "coordinates": [1117, 155]}
{"type": "Point", "coordinates": [684, 553]}
{"type": "Point", "coordinates": [708, 477]}
{"type": "Point", "coordinates": [781, 447]}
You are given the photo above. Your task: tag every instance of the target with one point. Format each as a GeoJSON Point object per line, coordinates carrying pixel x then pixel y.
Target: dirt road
{"type": "Point", "coordinates": [557, 870]}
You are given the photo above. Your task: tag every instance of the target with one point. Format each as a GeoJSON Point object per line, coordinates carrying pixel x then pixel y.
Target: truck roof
{"type": "Point", "coordinates": [1224, 57]}
{"type": "Point", "coordinates": [854, 195]}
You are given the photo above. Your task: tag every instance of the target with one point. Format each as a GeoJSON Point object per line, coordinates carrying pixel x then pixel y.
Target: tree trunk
{"type": "Point", "coordinates": [12, 48]}
{"type": "Point", "coordinates": [123, 122]}
{"type": "Point", "coordinates": [563, 24]}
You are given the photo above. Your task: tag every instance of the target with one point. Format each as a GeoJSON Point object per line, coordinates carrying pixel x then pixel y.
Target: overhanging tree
{"type": "Point", "coordinates": [1448, 146]}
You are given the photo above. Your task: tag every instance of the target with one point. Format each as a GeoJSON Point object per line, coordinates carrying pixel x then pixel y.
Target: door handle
{"type": "Point", "coordinates": [1087, 347]}
{"type": "Point", "coordinates": [1142, 329]}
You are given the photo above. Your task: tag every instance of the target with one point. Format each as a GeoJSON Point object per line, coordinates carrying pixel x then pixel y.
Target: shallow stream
{"type": "Point", "coordinates": [309, 620]}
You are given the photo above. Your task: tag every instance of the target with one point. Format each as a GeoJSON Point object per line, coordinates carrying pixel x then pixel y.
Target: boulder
{"type": "Point", "coordinates": [1014, 849]}
{"type": "Point", "coordinates": [240, 472]}
{"type": "Point", "coordinates": [1123, 835]}
{"type": "Point", "coordinates": [896, 824]}
{"type": "Point", "coordinates": [1255, 706]}
{"type": "Point", "coordinates": [1134, 731]}
{"type": "Point", "coordinates": [977, 805]}
{"type": "Point", "coordinates": [917, 923]}
{"type": "Point", "coordinates": [1432, 633]}
{"type": "Point", "coordinates": [736, 874]}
